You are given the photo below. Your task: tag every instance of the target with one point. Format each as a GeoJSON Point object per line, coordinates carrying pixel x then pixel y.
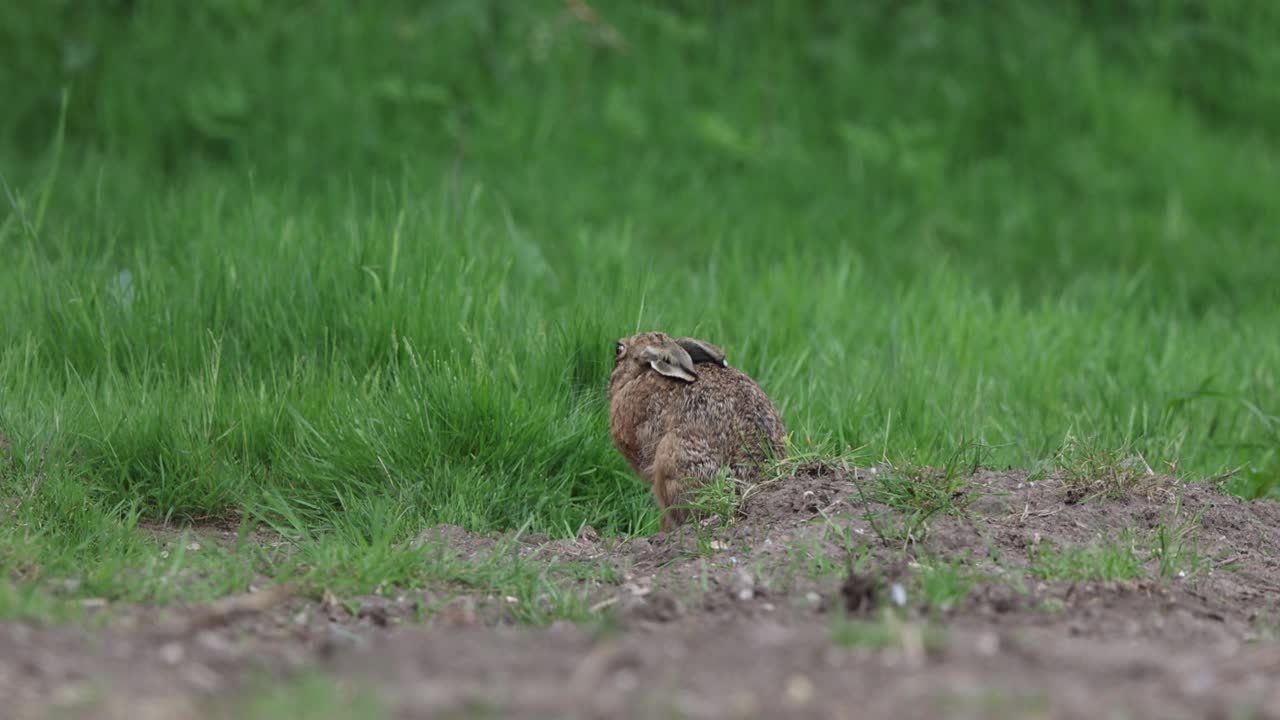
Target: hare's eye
{"type": "Point", "coordinates": [617, 351]}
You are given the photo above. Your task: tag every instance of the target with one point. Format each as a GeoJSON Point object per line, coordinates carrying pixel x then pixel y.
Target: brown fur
{"type": "Point", "coordinates": [675, 432]}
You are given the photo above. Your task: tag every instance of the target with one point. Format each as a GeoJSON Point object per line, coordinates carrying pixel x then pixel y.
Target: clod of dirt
{"type": "Point", "coordinates": [860, 593]}
{"type": "Point", "coordinates": [660, 607]}
{"type": "Point", "coordinates": [337, 639]}
{"type": "Point", "coordinates": [226, 610]}
{"type": "Point", "coordinates": [459, 611]}
{"type": "Point", "coordinates": [814, 487]}
{"type": "Point", "coordinates": [535, 539]}
{"type": "Point", "coordinates": [996, 599]}
{"type": "Point", "coordinates": [599, 664]}
{"type": "Point", "coordinates": [379, 615]}
{"type": "Point", "coordinates": [330, 605]}
{"type": "Point", "coordinates": [455, 538]}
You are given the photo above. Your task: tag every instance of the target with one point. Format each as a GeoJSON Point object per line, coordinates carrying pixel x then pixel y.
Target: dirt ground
{"type": "Point", "coordinates": [760, 617]}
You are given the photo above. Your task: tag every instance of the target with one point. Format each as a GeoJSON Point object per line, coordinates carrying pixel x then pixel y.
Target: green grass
{"type": "Point", "coordinates": [912, 495]}
{"type": "Point", "coordinates": [367, 278]}
{"type": "Point", "coordinates": [1101, 561]}
{"type": "Point", "coordinates": [63, 554]}
{"type": "Point", "coordinates": [1175, 546]}
{"type": "Point", "coordinates": [1169, 550]}
{"type": "Point", "coordinates": [944, 585]}
{"type": "Point", "coordinates": [309, 697]}
{"type": "Point", "coordinates": [1166, 553]}
{"type": "Point", "coordinates": [887, 633]}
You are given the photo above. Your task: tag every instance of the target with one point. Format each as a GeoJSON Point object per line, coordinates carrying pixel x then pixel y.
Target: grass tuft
{"type": "Point", "coordinates": [1090, 471]}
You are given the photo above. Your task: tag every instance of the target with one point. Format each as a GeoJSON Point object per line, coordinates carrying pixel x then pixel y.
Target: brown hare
{"type": "Point", "coordinates": [678, 413]}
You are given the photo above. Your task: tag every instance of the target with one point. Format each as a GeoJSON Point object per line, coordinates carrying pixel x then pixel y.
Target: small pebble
{"type": "Point", "coordinates": [988, 644]}
{"type": "Point", "coordinates": [172, 653]}
{"type": "Point", "coordinates": [625, 681]}
{"type": "Point", "coordinates": [799, 689]}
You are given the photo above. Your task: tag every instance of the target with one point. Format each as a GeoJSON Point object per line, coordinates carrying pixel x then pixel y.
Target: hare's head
{"type": "Point", "coordinates": [657, 352]}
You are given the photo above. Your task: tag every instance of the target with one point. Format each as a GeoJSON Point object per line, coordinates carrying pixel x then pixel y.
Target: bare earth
{"type": "Point", "coordinates": [761, 618]}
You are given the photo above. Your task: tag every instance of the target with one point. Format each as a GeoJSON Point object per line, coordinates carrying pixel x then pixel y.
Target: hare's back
{"type": "Point", "coordinates": [727, 397]}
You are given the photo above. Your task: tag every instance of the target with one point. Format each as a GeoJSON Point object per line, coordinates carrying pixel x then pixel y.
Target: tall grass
{"type": "Point", "coordinates": [327, 259]}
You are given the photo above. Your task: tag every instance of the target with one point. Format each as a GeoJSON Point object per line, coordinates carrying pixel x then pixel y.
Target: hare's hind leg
{"type": "Point", "coordinates": [673, 498]}
{"type": "Point", "coordinates": [680, 465]}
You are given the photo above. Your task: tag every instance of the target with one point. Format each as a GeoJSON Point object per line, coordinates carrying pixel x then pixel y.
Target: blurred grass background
{"type": "Point", "coordinates": [355, 264]}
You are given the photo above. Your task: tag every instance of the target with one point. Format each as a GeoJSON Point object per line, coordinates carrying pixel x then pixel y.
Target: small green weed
{"type": "Point", "coordinates": [817, 560]}
{"type": "Point", "coordinates": [888, 632]}
{"type": "Point", "coordinates": [1089, 470]}
{"type": "Point", "coordinates": [944, 585]}
{"type": "Point", "coordinates": [912, 494]}
{"type": "Point", "coordinates": [312, 696]}
{"type": "Point", "coordinates": [1028, 703]}
{"type": "Point", "coordinates": [857, 633]}
{"type": "Point", "coordinates": [1101, 561]}
{"type": "Point", "coordinates": [713, 502]}
{"type": "Point", "coordinates": [1175, 545]}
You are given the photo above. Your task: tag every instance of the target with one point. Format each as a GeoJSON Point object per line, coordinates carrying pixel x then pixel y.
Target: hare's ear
{"type": "Point", "coordinates": [669, 359]}
{"type": "Point", "coordinates": [702, 351]}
